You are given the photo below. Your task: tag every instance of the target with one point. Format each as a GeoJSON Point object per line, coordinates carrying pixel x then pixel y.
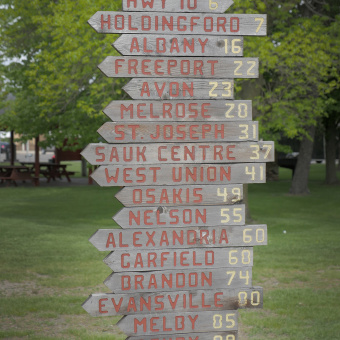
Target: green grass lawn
{"type": "Point", "coordinates": [48, 268]}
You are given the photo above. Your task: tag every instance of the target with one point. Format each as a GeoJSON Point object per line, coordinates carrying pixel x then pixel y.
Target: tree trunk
{"type": "Point", "coordinates": [37, 160]}
{"type": "Point", "coordinates": [246, 202]}
{"type": "Point", "coordinates": [300, 179]}
{"type": "Point", "coordinates": [83, 167]}
{"type": "Point", "coordinates": [331, 146]}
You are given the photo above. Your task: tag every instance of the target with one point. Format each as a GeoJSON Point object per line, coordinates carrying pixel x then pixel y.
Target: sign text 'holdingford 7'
{"type": "Point", "coordinates": [179, 111]}
{"type": "Point", "coordinates": [180, 67]}
{"type": "Point", "coordinates": [128, 260]}
{"type": "Point", "coordinates": [181, 301]}
{"type": "Point", "coordinates": [166, 23]}
{"type": "Point", "coordinates": [176, 174]}
{"type": "Point", "coordinates": [157, 153]}
{"type": "Point", "coordinates": [189, 237]}
{"type": "Point", "coordinates": [184, 279]}
{"type": "Point", "coordinates": [181, 194]}
{"type": "Point", "coordinates": [179, 45]}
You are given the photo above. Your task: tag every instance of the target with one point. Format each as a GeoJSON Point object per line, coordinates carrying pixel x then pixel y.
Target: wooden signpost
{"type": "Point", "coordinates": [182, 148]}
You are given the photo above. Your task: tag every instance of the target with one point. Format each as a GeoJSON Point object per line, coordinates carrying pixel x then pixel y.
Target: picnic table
{"type": "Point", "coordinates": [13, 173]}
{"type": "Point", "coordinates": [51, 170]}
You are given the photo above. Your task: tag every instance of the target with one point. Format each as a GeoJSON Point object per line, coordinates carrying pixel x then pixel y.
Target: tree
{"type": "Point", "coordinates": [54, 54]}
{"type": "Point", "coordinates": [298, 71]}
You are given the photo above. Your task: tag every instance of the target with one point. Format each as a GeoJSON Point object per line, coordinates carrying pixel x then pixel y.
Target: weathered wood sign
{"type": "Point", "coordinates": [216, 6]}
{"type": "Point", "coordinates": [189, 67]}
{"type": "Point", "coordinates": [147, 260]}
{"type": "Point", "coordinates": [158, 153]}
{"type": "Point", "coordinates": [175, 174]}
{"type": "Point", "coordinates": [177, 216]}
{"type": "Point", "coordinates": [179, 46]}
{"type": "Point", "coordinates": [170, 88]}
{"type": "Point", "coordinates": [114, 132]}
{"type": "Point", "coordinates": [179, 111]}
{"type": "Point", "coordinates": [167, 238]}
{"type": "Point", "coordinates": [183, 195]}
{"type": "Point", "coordinates": [175, 280]}
{"type": "Point", "coordinates": [228, 335]}
{"type": "Point", "coordinates": [167, 302]}
{"type": "Point", "coordinates": [186, 322]}
{"type": "Point", "coordinates": [167, 23]}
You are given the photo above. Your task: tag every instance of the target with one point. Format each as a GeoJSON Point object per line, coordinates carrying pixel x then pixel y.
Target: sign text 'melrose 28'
{"type": "Point", "coordinates": [179, 111]}
{"type": "Point", "coordinates": [146, 260]}
{"type": "Point", "coordinates": [180, 67]}
{"type": "Point", "coordinates": [157, 153]}
{"type": "Point", "coordinates": [174, 174]}
{"type": "Point", "coordinates": [181, 194]}
{"type": "Point", "coordinates": [179, 46]}
{"type": "Point", "coordinates": [189, 237]}
{"type": "Point", "coordinates": [181, 301]}
{"type": "Point", "coordinates": [165, 23]}
{"type": "Point", "coordinates": [175, 280]}
{"type": "Point", "coordinates": [117, 132]}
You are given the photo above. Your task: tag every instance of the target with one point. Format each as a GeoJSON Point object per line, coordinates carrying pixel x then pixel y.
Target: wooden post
{"type": "Point", "coordinates": [12, 148]}
{"type": "Point", "coordinates": [37, 161]}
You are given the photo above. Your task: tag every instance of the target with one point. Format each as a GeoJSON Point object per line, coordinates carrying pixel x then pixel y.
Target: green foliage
{"type": "Point", "coordinates": [299, 65]}
{"type": "Point", "coordinates": [58, 89]}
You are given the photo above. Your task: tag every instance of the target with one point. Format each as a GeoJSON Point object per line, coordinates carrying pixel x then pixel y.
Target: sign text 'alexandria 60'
{"type": "Point", "coordinates": [189, 237]}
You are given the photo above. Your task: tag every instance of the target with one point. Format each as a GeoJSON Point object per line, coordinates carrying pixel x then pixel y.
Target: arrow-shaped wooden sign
{"type": "Point", "coordinates": [169, 88]}
{"type": "Point", "coordinates": [175, 323]}
{"type": "Point", "coordinates": [179, 67]}
{"type": "Point", "coordinates": [181, 195]}
{"type": "Point", "coordinates": [177, 174]}
{"type": "Point", "coordinates": [179, 110]}
{"type": "Point", "coordinates": [117, 132]}
{"type": "Point", "coordinates": [146, 260]}
{"type": "Point", "coordinates": [175, 280]}
{"type": "Point", "coordinates": [181, 301]}
{"type": "Point", "coordinates": [179, 45]}
{"type": "Point", "coordinates": [189, 237]}
{"type": "Point", "coordinates": [178, 216]}
{"type": "Point", "coordinates": [187, 24]}
{"type": "Point", "coordinates": [227, 335]}
{"type": "Point", "coordinates": [216, 6]}
{"type": "Point", "coordinates": [158, 153]}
